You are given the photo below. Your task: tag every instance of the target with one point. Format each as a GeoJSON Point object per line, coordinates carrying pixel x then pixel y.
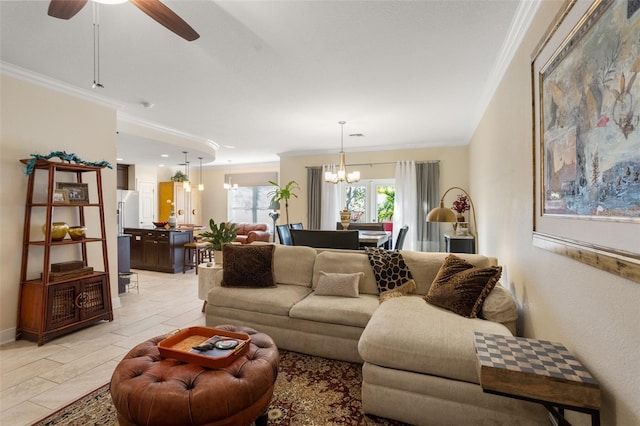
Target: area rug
{"type": "Point", "coordinates": [310, 391]}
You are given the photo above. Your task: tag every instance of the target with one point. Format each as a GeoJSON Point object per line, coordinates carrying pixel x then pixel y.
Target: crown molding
{"type": "Point", "coordinates": [123, 117]}
{"type": "Point", "coordinates": [517, 31]}
{"type": "Point", "coordinates": [41, 80]}
{"type": "Point", "coordinates": [29, 76]}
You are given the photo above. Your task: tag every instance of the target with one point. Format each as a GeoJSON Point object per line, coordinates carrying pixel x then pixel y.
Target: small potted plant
{"type": "Point", "coordinates": [219, 235]}
{"type": "Point", "coordinates": [179, 177]}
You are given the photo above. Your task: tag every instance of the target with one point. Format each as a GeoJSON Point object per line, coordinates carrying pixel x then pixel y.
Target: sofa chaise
{"type": "Point", "coordinates": [419, 362]}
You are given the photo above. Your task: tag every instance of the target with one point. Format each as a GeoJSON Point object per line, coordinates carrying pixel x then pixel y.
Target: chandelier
{"type": "Point", "coordinates": [228, 186]}
{"type": "Point", "coordinates": [341, 175]}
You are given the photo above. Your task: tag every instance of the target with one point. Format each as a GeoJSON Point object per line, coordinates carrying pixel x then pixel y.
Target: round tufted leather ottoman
{"type": "Point", "coordinates": [149, 390]}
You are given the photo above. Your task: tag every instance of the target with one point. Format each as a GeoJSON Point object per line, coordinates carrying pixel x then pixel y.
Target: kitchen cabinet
{"type": "Point", "coordinates": [62, 300]}
{"type": "Point", "coordinates": [159, 250]}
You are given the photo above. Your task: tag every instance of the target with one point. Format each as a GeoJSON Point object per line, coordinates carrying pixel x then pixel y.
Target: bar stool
{"type": "Point", "coordinates": [194, 254]}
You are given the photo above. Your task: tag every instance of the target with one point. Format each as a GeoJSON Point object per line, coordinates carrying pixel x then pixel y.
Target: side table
{"type": "Point", "coordinates": [537, 371]}
{"type": "Point", "coordinates": [206, 279]}
{"type": "Point", "coordinates": [460, 243]}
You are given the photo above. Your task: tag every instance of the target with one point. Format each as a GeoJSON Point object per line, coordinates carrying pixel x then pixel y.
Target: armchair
{"type": "Point", "coordinates": [250, 232]}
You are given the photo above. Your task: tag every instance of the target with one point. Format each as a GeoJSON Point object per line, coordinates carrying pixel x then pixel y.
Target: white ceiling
{"type": "Point", "coordinates": [269, 78]}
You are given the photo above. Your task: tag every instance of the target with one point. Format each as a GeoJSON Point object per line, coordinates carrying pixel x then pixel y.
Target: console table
{"type": "Point", "coordinates": [537, 371]}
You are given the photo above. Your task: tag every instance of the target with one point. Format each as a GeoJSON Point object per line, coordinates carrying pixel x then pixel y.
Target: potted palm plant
{"type": "Point", "coordinates": [219, 235]}
{"type": "Point", "coordinates": [284, 193]}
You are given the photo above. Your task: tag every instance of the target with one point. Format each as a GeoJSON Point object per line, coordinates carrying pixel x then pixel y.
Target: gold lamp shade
{"type": "Point", "coordinates": [441, 214]}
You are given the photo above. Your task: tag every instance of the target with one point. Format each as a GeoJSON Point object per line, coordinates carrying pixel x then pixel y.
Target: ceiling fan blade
{"type": "Point", "coordinates": [65, 9]}
{"type": "Point", "coordinates": [165, 16]}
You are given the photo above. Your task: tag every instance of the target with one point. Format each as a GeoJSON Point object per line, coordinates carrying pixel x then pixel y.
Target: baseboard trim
{"type": "Point", "coordinates": [8, 335]}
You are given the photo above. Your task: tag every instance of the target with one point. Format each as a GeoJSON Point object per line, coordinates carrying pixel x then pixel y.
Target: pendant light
{"type": "Point", "coordinates": [185, 183]}
{"type": "Point", "coordinates": [341, 175]}
{"type": "Point", "coordinates": [200, 183]}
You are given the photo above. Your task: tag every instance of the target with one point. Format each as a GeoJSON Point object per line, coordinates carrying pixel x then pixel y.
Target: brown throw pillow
{"type": "Point", "coordinates": [462, 288]}
{"type": "Point", "coordinates": [247, 265]}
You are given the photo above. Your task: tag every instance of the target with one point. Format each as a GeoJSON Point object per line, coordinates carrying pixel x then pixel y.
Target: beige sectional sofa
{"type": "Point", "coordinates": [419, 363]}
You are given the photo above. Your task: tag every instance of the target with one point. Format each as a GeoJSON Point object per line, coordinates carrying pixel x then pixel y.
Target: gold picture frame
{"type": "Point", "coordinates": [576, 85]}
{"type": "Point", "coordinates": [60, 196]}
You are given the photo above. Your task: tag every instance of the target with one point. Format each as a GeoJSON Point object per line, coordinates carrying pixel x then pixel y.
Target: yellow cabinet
{"type": "Point", "coordinates": [186, 205]}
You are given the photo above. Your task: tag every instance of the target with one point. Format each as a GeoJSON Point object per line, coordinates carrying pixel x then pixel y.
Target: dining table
{"type": "Point", "coordinates": [373, 238]}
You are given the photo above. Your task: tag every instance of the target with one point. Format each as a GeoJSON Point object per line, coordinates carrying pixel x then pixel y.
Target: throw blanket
{"type": "Point", "coordinates": [392, 274]}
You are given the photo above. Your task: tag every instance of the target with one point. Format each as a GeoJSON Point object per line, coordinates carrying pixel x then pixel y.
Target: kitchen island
{"type": "Point", "coordinates": [158, 249]}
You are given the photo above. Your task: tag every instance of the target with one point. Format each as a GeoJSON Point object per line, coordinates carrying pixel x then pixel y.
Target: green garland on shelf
{"type": "Point", "coordinates": [64, 157]}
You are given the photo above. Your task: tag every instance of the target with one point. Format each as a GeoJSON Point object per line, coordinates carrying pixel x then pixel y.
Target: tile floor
{"type": "Point", "coordinates": [36, 381]}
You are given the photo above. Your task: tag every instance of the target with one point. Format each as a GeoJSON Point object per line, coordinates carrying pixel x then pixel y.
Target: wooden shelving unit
{"type": "Point", "coordinates": [50, 308]}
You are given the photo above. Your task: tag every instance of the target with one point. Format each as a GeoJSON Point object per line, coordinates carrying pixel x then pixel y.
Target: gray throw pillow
{"type": "Point", "coordinates": [334, 284]}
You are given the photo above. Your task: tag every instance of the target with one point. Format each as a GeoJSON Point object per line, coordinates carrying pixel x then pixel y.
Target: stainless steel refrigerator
{"type": "Point", "coordinates": [128, 209]}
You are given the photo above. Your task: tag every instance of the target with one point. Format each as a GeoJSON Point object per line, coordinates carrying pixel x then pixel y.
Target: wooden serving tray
{"type": "Point", "coordinates": [179, 346]}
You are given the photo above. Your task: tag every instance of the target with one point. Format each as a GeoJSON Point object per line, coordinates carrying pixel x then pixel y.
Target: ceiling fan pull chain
{"type": "Point", "coordinates": [96, 47]}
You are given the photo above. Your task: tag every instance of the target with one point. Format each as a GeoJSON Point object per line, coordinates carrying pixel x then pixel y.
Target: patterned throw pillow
{"type": "Point", "coordinates": [247, 265]}
{"type": "Point", "coordinates": [334, 284]}
{"type": "Point", "coordinates": [462, 288]}
{"type": "Point", "coordinates": [392, 274]}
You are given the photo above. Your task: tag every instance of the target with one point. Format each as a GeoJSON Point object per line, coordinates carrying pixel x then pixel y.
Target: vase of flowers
{"type": "Point", "coordinates": [461, 205]}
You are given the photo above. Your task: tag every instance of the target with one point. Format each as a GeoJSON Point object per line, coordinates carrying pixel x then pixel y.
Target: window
{"type": "Point", "coordinates": [369, 201]}
{"type": "Point", "coordinates": [249, 204]}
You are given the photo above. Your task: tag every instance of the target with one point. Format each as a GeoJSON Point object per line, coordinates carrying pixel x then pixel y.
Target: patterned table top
{"type": "Point", "coordinates": [533, 356]}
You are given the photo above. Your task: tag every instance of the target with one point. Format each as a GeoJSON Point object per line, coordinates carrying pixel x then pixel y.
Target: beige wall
{"type": "Point", "coordinates": [36, 120]}
{"type": "Point", "coordinates": [593, 313]}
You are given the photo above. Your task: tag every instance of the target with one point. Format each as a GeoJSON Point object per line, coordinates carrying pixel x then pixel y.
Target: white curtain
{"type": "Point", "coordinates": [406, 203]}
{"type": "Point", "coordinates": [330, 207]}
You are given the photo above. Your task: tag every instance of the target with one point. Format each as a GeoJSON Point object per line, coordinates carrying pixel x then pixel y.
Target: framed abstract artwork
{"type": "Point", "coordinates": [587, 135]}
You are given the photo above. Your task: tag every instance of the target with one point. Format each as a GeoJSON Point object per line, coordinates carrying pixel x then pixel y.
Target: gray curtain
{"type": "Point", "coordinates": [428, 181]}
{"type": "Point", "coordinates": [314, 196]}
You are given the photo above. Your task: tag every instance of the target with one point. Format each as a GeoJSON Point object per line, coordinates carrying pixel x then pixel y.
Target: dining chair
{"type": "Point", "coordinates": [296, 226]}
{"type": "Point", "coordinates": [325, 239]}
{"type": "Point", "coordinates": [402, 234]}
{"type": "Point", "coordinates": [284, 235]}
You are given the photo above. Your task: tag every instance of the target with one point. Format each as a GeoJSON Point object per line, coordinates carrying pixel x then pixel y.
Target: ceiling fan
{"type": "Point", "coordinates": [66, 9]}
